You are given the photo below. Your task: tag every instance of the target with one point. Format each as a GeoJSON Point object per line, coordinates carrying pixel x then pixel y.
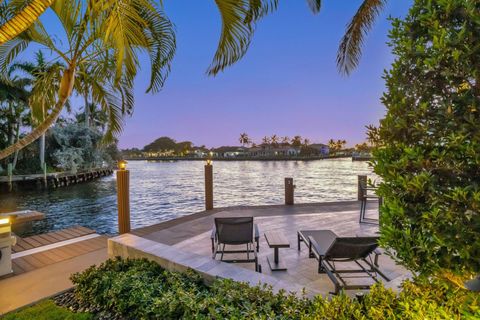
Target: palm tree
{"type": "Point", "coordinates": [274, 140]}
{"type": "Point", "coordinates": [285, 141]}
{"type": "Point", "coordinates": [297, 141]}
{"type": "Point", "coordinates": [266, 140]}
{"type": "Point", "coordinates": [238, 19]}
{"type": "Point", "coordinates": [105, 42]}
{"type": "Point", "coordinates": [45, 79]}
{"type": "Point", "coordinates": [244, 139]}
{"type": "Point", "coordinates": [306, 142]}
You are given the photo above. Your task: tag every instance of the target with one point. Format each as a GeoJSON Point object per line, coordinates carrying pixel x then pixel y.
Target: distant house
{"type": "Point", "coordinates": [321, 148]}
{"type": "Point", "coordinates": [199, 152]}
{"type": "Point", "coordinates": [268, 151]}
{"type": "Point", "coordinates": [229, 152]}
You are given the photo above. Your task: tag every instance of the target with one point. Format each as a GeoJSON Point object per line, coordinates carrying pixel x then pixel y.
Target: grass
{"type": "Point", "coordinates": [46, 310]}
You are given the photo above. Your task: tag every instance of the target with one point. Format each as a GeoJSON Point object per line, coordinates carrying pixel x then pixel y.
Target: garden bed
{"type": "Point", "coordinates": [140, 289]}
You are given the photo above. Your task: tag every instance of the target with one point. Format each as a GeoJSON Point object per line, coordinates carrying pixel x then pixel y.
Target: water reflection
{"type": "Point", "coordinates": [165, 190]}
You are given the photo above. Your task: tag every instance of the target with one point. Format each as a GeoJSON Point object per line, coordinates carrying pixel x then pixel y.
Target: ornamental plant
{"type": "Point", "coordinates": [428, 144]}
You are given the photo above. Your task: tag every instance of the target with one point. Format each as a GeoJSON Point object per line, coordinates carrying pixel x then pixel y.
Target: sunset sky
{"type": "Point", "coordinates": [287, 84]}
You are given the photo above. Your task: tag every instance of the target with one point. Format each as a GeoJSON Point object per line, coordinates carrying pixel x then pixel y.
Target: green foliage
{"type": "Point", "coordinates": [428, 150]}
{"type": "Point", "coordinates": [168, 144]}
{"type": "Point", "coordinates": [76, 147]}
{"type": "Point", "coordinates": [47, 310]}
{"type": "Point", "coordinates": [139, 289]}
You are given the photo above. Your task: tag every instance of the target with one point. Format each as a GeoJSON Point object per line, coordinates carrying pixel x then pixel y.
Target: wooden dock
{"type": "Point", "coordinates": [41, 250]}
{"type": "Point", "coordinates": [51, 180]}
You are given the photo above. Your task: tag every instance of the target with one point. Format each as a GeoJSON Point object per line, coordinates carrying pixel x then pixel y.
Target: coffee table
{"type": "Point", "coordinates": [276, 240]}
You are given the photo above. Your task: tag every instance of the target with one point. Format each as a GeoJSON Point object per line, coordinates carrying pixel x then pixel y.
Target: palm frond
{"type": "Point", "coordinates": [23, 19]}
{"type": "Point", "coordinates": [162, 44]}
{"type": "Point", "coordinates": [238, 25]}
{"type": "Point", "coordinates": [315, 5]}
{"type": "Point", "coordinates": [9, 51]}
{"type": "Point", "coordinates": [350, 49]}
{"type": "Point", "coordinates": [68, 13]}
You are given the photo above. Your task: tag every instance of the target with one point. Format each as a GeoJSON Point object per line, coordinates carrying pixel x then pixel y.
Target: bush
{"type": "Point", "coordinates": [139, 289]}
{"type": "Point", "coordinates": [429, 141]}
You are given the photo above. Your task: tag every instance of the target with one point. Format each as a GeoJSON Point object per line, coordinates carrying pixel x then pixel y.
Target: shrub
{"type": "Point", "coordinates": [428, 150]}
{"type": "Point", "coordinates": [139, 289]}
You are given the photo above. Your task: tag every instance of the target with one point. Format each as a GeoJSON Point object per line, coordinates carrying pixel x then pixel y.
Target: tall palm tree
{"type": "Point", "coordinates": [45, 79]}
{"type": "Point", "coordinates": [285, 141]}
{"type": "Point", "coordinates": [274, 140]}
{"type": "Point", "coordinates": [238, 20]}
{"type": "Point", "coordinates": [106, 41]}
{"type": "Point", "coordinates": [306, 142]}
{"type": "Point", "coordinates": [266, 140]}
{"type": "Point", "coordinates": [297, 141]}
{"type": "Point", "coordinates": [244, 139]}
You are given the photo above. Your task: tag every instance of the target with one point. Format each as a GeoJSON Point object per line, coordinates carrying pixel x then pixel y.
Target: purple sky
{"type": "Point", "coordinates": [287, 84]}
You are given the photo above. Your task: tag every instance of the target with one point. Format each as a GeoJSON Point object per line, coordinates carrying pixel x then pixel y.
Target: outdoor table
{"type": "Point", "coordinates": [276, 240]}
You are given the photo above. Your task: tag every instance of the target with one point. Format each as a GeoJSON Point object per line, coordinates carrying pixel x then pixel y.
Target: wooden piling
{"type": "Point", "coordinates": [289, 191]}
{"type": "Point", "coordinates": [123, 198]}
{"type": "Point", "coordinates": [208, 187]}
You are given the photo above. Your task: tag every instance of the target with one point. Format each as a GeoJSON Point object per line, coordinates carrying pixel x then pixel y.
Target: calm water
{"type": "Point", "coordinates": [164, 190]}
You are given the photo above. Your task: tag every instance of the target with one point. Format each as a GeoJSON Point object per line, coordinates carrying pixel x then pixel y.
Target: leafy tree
{"type": "Point", "coordinates": [428, 144]}
{"type": "Point", "coordinates": [104, 39]}
{"type": "Point", "coordinates": [161, 144]}
{"type": "Point", "coordinates": [297, 141]}
{"type": "Point", "coordinates": [285, 141]}
{"type": "Point", "coordinates": [45, 82]}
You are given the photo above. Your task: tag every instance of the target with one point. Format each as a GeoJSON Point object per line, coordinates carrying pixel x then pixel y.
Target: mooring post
{"type": "Point", "coordinates": [289, 191]}
{"type": "Point", "coordinates": [123, 196]}
{"type": "Point", "coordinates": [362, 184]}
{"type": "Point", "coordinates": [209, 185]}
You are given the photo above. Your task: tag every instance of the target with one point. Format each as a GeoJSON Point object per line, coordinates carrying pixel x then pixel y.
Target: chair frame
{"type": "Point", "coordinates": [366, 265]}
{"type": "Point", "coordinates": [219, 248]}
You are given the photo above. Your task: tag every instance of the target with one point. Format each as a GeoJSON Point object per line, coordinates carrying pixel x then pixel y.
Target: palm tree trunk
{"type": "Point", "coordinates": [42, 151]}
{"type": "Point", "coordinates": [64, 93]}
{"type": "Point", "coordinates": [17, 137]}
{"type": "Point", "coordinates": [87, 111]}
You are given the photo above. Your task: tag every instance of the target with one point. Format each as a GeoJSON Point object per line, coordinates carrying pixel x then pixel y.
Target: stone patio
{"type": "Point", "coordinates": [193, 235]}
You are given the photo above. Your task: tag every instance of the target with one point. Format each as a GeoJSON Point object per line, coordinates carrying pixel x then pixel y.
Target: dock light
{"type": "Point", "coordinates": [122, 164]}
{"type": "Point", "coordinates": [474, 284]}
{"type": "Point", "coordinates": [209, 162]}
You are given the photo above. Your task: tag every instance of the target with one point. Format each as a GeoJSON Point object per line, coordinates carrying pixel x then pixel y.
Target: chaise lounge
{"type": "Point", "coordinates": [330, 249]}
{"type": "Point", "coordinates": [236, 231]}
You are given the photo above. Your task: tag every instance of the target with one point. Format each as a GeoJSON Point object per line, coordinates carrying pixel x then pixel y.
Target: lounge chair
{"type": "Point", "coordinates": [328, 249]}
{"type": "Point", "coordinates": [236, 231]}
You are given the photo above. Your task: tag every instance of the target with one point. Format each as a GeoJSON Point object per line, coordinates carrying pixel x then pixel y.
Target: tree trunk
{"type": "Point", "coordinates": [87, 110]}
{"type": "Point", "coordinates": [64, 93]}
{"type": "Point", "coordinates": [15, 158]}
{"type": "Point", "coordinates": [42, 151]}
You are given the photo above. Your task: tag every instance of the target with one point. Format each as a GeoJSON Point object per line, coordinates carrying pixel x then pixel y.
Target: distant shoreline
{"type": "Point", "coordinates": [297, 158]}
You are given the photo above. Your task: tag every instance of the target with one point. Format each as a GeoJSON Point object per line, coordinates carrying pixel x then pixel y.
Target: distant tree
{"type": "Point", "coordinates": [306, 142]}
{"type": "Point", "coordinates": [266, 140]}
{"type": "Point", "coordinates": [297, 141]}
{"type": "Point", "coordinates": [274, 140]}
{"type": "Point", "coordinates": [285, 141]}
{"type": "Point", "coordinates": [362, 147]}
{"type": "Point", "coordinates": [244, 139]}
{"type": "Point", "coordinates": [161, 144]}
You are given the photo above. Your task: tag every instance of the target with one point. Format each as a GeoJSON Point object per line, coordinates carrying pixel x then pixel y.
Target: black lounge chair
{"type": "Point", "coordinates": [236, 231]}
{"type": "Point", "coordinates": [328, 249]}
